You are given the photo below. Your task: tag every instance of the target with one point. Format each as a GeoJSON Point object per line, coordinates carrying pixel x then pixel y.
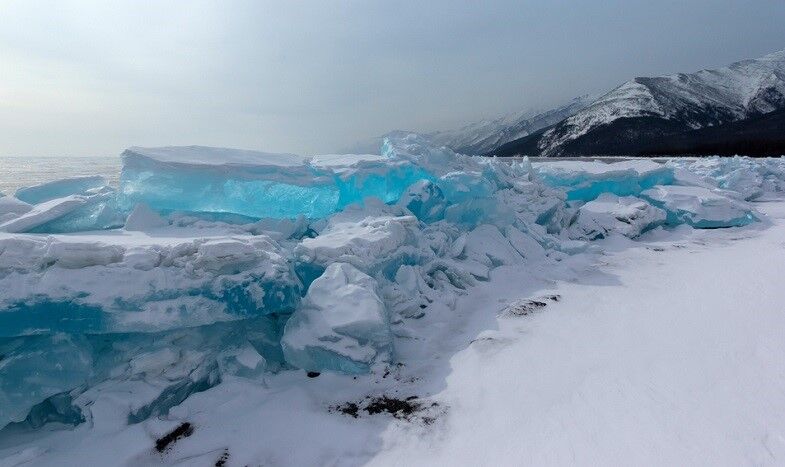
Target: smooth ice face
{"type": "Point", "coordinates": [585, 181]}
{"type": "Point", "coordinates": [342, 324]}
{"type": "Point", "coordinates": [258, 185]}
{"type": "Point", "coordinates": [143, 218]}
{"type": "Point", "coordinates": [59, 189]}
{"type": "Point", "coordinates": [608, 214]}
{"type": "Point", "coordinates": [700, 207]}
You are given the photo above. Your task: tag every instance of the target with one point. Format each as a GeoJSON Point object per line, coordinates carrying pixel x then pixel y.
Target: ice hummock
{"type": "Point", "coordinates": [586, 180]}
{"type": "Point", "coordinates": [751, 178]}
{"type": "Point", "coordinates": [237, 263]}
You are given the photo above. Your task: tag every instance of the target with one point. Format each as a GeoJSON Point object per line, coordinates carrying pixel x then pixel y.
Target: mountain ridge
{"type": "Point", "coordinates": [626, 118]}
{"type": "Point", "coordinates": [485, 135]}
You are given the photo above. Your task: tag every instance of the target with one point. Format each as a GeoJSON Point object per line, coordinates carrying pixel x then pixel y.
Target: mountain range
{"type": "Point", "coordinates": [486, 135]}
{"type": "Point", "coordinates": [738, 109]}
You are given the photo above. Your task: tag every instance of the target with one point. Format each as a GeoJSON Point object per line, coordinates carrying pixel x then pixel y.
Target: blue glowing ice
{"type": "Point", "coordinates": [585, 181]}
{"type": "Point", "coordinates": [258, 185]}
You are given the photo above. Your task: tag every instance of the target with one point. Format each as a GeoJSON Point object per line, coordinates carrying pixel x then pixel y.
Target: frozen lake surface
{"type": "Point", "coordinates": [18, 171]}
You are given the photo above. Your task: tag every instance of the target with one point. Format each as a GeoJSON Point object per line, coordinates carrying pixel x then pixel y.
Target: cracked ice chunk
{"type": "Point", "coordinates": [587, 180]}
{"type": "Point", "coordinates": [700, 207]}
{"type": "Point", "coordinates": [416, 149]}
{"type": "Point", "coordinates": [628, 216]}
{"type": "Point", "coordinates": [59, 189]}
{"type": "Point", "coordinates": [342, 324]}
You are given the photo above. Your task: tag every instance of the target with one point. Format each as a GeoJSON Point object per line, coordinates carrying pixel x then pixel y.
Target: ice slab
{"type": "Point", "coordinates": [700, 207]}
{"type": "Point", "coordinates": [609, 214]}
{"type": "Point", "coordinates": [11, 208]}
{"type": "Point", "coordinates": [43, 213]}
{"type": "Point", "coordinates": [96, 210]}
{"type": "Point", "coordinates": [486, 245]}
{"type": "Point", "coordinates": [59, 189]}
{"type": "Point", "coordinates": [342, 324]}
{"type": "Point", "coordinates": [260, 185]}
{"type": "Point", "coordinates": [586, 180]}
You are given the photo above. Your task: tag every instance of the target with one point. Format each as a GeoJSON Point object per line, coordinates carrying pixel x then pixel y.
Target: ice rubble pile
{"type": "Point", "coordinates": [235, 263]}
{"type": "Point", "coordinates": [750, 177]}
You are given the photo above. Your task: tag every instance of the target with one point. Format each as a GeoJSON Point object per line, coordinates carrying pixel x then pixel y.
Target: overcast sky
{"type": "Point", "coordinates": [91, 78]}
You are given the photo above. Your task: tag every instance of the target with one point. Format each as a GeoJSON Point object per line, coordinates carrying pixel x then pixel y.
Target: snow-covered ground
{"type": "Point", "coordinates": [669, 352]}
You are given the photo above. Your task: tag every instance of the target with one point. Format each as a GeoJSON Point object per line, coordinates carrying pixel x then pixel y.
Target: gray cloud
{"type": "Point", "coordinates": [90, 78]}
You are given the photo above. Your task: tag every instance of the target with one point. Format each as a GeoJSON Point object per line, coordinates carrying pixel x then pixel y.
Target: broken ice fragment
{"type": "Point", "coordinates": [608, 214]}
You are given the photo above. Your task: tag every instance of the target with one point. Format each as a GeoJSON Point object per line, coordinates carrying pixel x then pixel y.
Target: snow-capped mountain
{"type": "Point", "coordinates": [486, 135]}
{"type": "Point", "coordinates": [634, 115]}
{"type": "Point", "coordinates": [483, 136]}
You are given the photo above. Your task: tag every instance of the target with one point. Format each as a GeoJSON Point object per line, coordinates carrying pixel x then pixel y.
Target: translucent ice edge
{"type": "Point", "coordinates": [314, 190]}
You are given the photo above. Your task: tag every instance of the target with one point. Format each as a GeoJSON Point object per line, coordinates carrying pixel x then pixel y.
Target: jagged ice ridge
{"type": "Point", "coordinates": [211, 263]}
